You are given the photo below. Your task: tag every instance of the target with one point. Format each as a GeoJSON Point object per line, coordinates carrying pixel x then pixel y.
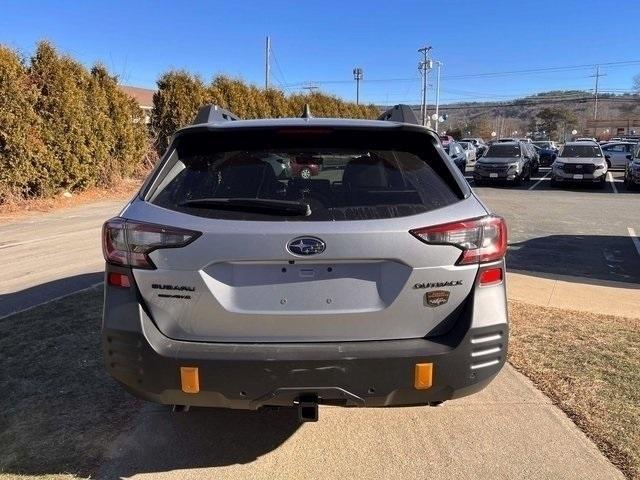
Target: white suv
{"type": "Point", "coordinates": [580, 162]}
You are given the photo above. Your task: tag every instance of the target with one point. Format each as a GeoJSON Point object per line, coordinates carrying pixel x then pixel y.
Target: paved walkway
{"type": "Point", "coordinates": [560, 291]}
{"type": "Point", "coordinates": [509, 430]}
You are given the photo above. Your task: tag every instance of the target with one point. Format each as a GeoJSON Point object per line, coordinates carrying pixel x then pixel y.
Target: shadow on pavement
{"type": "Point", "coordinates": [598, 259]}
{"type": "Point", "coordinates": [60, 412]}
{"type": "Point", "coordinates": [163, 441]}
{"type": "Point", "coordinates": [17, 301]}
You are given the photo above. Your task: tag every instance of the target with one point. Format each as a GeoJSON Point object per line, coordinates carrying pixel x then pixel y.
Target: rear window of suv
{"type": "Point", "coordinates": [307, 176]}
{"type": "Point", "coordinates": [503, 151]}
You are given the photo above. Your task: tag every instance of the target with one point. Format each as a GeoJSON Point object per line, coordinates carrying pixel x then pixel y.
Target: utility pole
{"type": "Point", "coordinates": [267, 62]}
{"type": "Point", "coordinates": [424, 66]}
{"type": "Point", "coordinates": [595, 108]}
{"type": "Point", "coordinates": [439, 64]}
{"type": "Point", "coordinates": [358, 75]}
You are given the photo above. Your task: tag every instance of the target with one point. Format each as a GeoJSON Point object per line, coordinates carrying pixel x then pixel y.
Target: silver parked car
{"type": "Point", "coordinates": [469, 151]}
{"type": "Point", "coordinates": [617, 153]}
{"type": "Point", "coordinates": [581, 161]}
{"type": "Point", "coordinates": [377, 282]}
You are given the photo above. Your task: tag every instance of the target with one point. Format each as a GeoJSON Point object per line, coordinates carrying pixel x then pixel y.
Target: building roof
{"type": "Point", "coordinates": [142, 96]}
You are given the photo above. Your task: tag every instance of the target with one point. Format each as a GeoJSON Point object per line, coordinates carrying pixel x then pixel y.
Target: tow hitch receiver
{"type": "Point", "coordinates": [308, 408]}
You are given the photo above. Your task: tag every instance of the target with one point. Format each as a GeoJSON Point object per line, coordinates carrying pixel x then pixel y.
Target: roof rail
{"type": "Point", "coordinates": [213, 113]}
{"type": "Point", "coordinates": [400, 113]}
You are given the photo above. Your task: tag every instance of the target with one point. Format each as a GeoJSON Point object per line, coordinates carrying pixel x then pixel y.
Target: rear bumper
{"type": "Point", "coordinates": [248, 376]}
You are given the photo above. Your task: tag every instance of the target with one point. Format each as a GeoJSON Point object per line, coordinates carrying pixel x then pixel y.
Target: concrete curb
{"type": "Point", "coordinates": [575, 293]}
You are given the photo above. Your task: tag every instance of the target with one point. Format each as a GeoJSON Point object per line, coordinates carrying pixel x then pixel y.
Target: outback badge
{"type": "Point", "coordinates": [436, 298]}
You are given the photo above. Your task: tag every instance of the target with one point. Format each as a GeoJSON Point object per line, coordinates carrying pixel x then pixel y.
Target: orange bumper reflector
{"type": "Point", "coordinates": [190, 380]}
{"type": "Point", "coordinates": [423, 376]}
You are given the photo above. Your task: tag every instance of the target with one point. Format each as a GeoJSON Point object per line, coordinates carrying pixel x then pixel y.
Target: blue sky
{"type": "Point", "coordinates": [321, 41]}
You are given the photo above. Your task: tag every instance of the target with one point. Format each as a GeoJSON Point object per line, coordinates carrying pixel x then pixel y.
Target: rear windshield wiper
{"type": "Point", "coordinates": [259, 205]}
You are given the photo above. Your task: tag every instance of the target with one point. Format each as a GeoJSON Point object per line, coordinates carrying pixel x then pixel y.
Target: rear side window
{"type": "Point", "coordinates": [335, 177]}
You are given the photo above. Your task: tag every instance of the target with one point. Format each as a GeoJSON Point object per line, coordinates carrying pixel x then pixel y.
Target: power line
{"type": "Point", "coordinates": [284, 80]}
{"type": "Point", "coordinates": [487, 74]}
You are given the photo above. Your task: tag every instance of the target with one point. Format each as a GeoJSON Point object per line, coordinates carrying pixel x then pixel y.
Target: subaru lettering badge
{"type": "Point", "coordinates": [305, 246]}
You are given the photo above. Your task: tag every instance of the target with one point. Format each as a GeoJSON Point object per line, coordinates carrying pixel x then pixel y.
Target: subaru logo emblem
{"type": "Point", "coordinates": [306, 246]}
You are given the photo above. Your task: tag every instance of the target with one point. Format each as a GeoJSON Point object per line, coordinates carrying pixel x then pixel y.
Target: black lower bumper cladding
{"type": "Point", "coordinates": [249, 376]}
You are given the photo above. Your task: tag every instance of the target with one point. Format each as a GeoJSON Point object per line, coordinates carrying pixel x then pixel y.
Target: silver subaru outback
{"type": "Point", "coordinates": [377, 281]}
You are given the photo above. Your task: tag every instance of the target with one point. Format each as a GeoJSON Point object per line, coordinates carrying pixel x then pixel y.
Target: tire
{"type": "Point", "coordinates": [630, 185]}
{"type": "Point", "coordinates": [518, 181]}
{"type": "Point", "coordinates": [305, 173]}
{"type": "Point", "coordinates": [601, 184]}
{"type": "Point", "coordinates": [553, 183]}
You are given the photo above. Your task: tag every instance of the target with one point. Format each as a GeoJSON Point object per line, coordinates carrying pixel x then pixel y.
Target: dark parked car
{"type": "Point", "coordinates": [504, 161]}
{"type": "Point", "coordinates": [632, 170]}
{"type": "Point", "coordinates": [456, 153]}
{"type": "Point", "coordinates": [533, 155]}
{"type": "Point", "coordinates": [547, 153]}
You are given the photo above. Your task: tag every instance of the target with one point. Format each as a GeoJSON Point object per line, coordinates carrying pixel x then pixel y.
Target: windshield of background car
{"type": "Point", "coordinates": [542, 144]}
{"type": "Point", "coordinates": [581, 151]}
{"type": "Point", "coordinates": [503, 151]}
{"type": "Point", "coordinates": [464, 145]}
{"type": "Point", "coordinates": [347, 176]}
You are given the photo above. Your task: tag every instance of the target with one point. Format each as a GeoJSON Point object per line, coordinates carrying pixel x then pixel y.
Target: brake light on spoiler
{"type": "Point", "coordinates": [129, 243]}
{"type": "Point", "coordinates": [481, 240]}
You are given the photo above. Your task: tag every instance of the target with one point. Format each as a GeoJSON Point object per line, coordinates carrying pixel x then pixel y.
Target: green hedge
{"type": "Point", "coordinates": [180, 94]}
{"type": "Point", "coordinates": [63, 126]}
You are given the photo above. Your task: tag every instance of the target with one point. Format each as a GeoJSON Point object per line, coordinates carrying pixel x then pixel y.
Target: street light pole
{"type": "Point", "coordinates": [267, 62]}
{"type": "Point", "coordinates": [358, 74]}
{"type": "Point", "coordinates": [439, 64]}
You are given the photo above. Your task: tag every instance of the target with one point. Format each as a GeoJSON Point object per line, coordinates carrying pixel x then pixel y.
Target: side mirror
{"type": "Point", "coordinates": [629, 156]}
{"type": "Point", "coordinates": [607, 157]}
{"type": "Point", "coordinates": [554, 156]}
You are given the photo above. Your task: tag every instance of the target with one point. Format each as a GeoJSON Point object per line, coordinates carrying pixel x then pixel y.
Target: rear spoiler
{"type": "Point", "coordinates": [400, 113]}
{"type": "Point", "coordinates": [212, 114]}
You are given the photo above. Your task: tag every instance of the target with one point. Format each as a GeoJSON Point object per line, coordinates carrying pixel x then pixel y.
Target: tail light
{"type": "Point", "coordinates": [481, 240]}
{"type": "Point", "coordinates": [129, 243]}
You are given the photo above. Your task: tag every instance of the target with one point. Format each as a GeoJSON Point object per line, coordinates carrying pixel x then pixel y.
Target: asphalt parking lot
{"type": "Point", "coordinates": [575, 230]}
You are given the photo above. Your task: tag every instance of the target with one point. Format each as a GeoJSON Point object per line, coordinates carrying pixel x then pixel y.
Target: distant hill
{"type": "Point", "coordinates": [571, 107]}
